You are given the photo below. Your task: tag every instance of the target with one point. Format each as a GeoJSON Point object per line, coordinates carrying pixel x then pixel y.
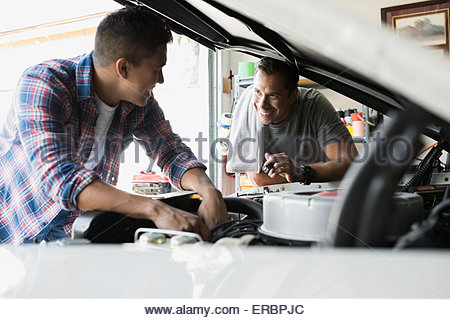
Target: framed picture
{"type": "Point", "coordinates": [426, 22]}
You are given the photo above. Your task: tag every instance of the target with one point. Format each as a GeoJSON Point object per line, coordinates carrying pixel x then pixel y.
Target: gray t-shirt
{"type": "Point", "coordinates": [313, 124]}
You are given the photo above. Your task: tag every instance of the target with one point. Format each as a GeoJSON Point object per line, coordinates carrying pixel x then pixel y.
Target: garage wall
{"type": "Point", "coordinates": [367, 10]}
{"type": "Point", "coordinates": [370, 12]}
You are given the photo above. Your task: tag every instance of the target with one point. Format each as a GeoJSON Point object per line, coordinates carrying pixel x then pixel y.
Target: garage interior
{"type": "Point", "coordinates": [201, 90]}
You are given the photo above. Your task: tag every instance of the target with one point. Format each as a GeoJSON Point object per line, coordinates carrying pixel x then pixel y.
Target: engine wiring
{"type": "Point", "coordinates": [427, 148]}
{"type": "Point", "coordinates": [425, 167]}
{"type": "Point", "coordinates": [421, 229]}
{"type": "Point", "coordinates": [234, 229]}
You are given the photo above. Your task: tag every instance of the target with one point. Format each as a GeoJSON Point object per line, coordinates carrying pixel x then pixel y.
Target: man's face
{"type": "Point", "coordinates": [143, 78]}
{"type": "Point", "coordinates": [271, 99]}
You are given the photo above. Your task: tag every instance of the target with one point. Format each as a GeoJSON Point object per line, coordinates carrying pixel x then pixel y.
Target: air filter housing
{"type": "Point", "coordinates": [298, 219]}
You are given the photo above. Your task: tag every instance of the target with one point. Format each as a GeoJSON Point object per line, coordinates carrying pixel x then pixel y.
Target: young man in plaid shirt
{"type": "Point", "coordinates": [71, 120]}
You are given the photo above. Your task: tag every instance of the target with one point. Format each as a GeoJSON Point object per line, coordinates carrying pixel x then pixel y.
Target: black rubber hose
{"type": "Point", "coordinates": [234, 204]}
{"type": "Point", "coordinates": [446, 193]}
{"type": "Point", "coordinates": [423, 227]}
{"type": "Point", "coordinates": [419, 175]}
{"type": "Point", "coordinates": [245, 206]}
{"type": "Point", "coordinates": [428, 164]}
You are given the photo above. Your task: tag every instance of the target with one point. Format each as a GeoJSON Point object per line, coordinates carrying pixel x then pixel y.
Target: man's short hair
{"type": "Point", "coordinates": [272, 66]}
{"type": "Point", "coordinates": [130, 33]}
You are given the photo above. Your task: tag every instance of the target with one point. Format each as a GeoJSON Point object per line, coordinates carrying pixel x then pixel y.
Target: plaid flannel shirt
{"type": "Point", "coordinates": [49, 134]}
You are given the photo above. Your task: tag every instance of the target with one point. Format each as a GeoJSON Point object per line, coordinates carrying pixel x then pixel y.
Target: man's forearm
{"type": "Point", "coordinates": [341, 155]}
{"type": "Point", "coordinates": [196, 180]}
{"type": "Point", "coordinates": [262, 179]}
{"type": "Point", "coordinates": [99, 195]}
{"type": "Point", "coordinates": [325, 171]}
{"type": "Point", "coordinates": [331, 170]}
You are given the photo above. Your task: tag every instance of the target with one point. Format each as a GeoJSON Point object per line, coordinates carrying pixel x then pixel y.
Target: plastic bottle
{"type": "Point", "coordinates": [348, 117]}
{"type": "Point", "coordinates": [349, 121]}
{"type": "Point", "coordinates": [357, 124]}
{"type": "Point", "coordinates": [224, 132]}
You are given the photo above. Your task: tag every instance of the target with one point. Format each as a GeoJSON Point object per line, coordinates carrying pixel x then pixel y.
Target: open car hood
{"type": "Point", "coordinates": [328, 46]}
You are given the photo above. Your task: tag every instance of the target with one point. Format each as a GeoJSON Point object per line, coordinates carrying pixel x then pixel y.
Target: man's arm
{"type": "Point", "coordinates": [262, 179]}
{"type": "Point", "coordinates": [180, 164]}
{"type": "Point", "coordinates": [99, 195]}
{"type": "Point", "coordinates": [212, 209]}
{"type": "Point", "coordinates": [340, 154]}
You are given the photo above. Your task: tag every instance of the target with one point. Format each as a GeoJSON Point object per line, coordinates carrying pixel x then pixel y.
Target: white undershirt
{"type": "Point", "coordinates": [105, 117]}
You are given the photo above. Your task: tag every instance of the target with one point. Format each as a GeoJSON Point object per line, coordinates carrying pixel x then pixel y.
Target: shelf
{"type": "Point", "coordinates": [243, 82]}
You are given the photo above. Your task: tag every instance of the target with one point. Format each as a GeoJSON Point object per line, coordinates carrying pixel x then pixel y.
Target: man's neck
{"type": "Point", "coordinates": [105, 85]}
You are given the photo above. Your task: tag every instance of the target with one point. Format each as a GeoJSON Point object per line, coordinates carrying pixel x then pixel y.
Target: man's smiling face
{"type": "Point", "coordinates": [271, 99]}
{"type": "Point", "coordinates": [143, 78]}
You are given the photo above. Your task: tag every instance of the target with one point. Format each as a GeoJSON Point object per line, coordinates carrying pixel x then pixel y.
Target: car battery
{"type": "Point", "coordinates": [150, 183]}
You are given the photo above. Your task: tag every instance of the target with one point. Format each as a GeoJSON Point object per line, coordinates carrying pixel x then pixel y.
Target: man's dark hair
{"type": "Point", "coordinates": [272, 66]}
{"type": "Point", "coordinates": [130, 33]}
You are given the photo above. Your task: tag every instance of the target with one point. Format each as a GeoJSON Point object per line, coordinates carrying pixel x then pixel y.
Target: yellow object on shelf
{"type": "Point", "coordinates": [245, 182]}
{"type": "Point", "coordinates": [350, 129]}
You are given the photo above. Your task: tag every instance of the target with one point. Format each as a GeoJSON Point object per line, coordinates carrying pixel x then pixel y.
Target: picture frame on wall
{"type": "Point", "coordinates": [425, 22]}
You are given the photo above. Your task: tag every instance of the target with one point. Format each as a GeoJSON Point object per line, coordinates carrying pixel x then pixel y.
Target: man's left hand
{"type": "Point", "coordinates": [212, 209]}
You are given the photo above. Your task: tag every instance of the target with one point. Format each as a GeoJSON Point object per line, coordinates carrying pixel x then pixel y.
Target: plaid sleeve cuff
{"type": "Point", "coordinates": [182, 163]}
{"type": "Point", "coordinates": [71, 189]}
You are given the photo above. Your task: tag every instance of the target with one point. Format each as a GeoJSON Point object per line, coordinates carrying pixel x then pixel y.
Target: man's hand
{"type": "Point", "coordinates": [340, 155]}
{"type": "Point", "coordinates": [282, 166]}
{"type": "Point", "coordinates": [212, 209]}
{"type": "Point", "coordinates": [168, 217]}
{"type": "Point", "coordinates": [99, 195]}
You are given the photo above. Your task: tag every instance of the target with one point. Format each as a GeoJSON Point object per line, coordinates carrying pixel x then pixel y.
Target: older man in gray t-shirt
{"type": "Point", "coordinates": [304, 139]}
{"type": "Point", "coordinates": [312, 124]}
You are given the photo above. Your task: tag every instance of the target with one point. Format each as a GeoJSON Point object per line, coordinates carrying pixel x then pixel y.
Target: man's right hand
{"type": "Point", "coordinates": [99, 195]}
{"type": "Point", "coordinates": [282, 165]}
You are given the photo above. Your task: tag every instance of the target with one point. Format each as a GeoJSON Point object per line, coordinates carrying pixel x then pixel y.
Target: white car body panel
{"type": "Point", "coordinates": [212, 271]}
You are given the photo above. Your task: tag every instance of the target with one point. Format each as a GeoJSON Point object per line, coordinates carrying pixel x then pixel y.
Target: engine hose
{"type": "Point", "coordinates": [428, 164]}
{"type": "Point", "coordinates": [419, 175]}
{"type": "Point", "coordinates": [420, 229]}
{"type": "Point", "coordinates": [446, 193]}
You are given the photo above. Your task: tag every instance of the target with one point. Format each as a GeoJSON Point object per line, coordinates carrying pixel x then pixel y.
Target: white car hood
{"type": "Point", "coordinates": [211, 271]}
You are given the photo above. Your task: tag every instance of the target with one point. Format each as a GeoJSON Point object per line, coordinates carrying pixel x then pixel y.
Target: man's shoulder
{"type": "Point", "coordinates": [56, 68]}
{"type": "Point", "coordinates": [305, 94]}
{"type": "Point", "coordinates": [311, 99]}
{"type": "Point", "coordinates": [313, 105]}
